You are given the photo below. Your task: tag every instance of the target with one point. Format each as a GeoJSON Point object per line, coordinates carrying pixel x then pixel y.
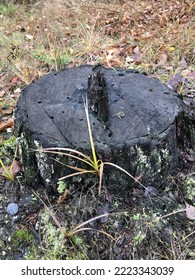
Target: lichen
{"type": "Point", "coordinates": [190, 188]}
{"type": "Point", "coordinates": [53, 245]}
{"type": "Point", "coordinates": [151, 164]}
{"type": "Point", "coordinates": [45, 170]}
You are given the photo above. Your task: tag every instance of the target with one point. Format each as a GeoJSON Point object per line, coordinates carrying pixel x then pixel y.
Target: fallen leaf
{"type": "Point", "coordinates": [190, 211]}
{"type": "Point", "coordinates": [136, 50]}
{"type": "Point", "coordinates": [2, 92]}
{"type": "Point", "coordinates": [129, 59]}
{"type": "Point", "coordinates": [175, 81]}
{"type": "Point", "coordinates": [190, 158]}
{"type": "Point", "coordinates": [113, 50]}
{"type": "Point", "coordinates": [16, 167]}
{"type": "Point", "coordinates": [191, 75]}
{"type": "Point", "coordinates": [162, 60]}
{"type": "Point", "coordinates": [6, 124]}
{"type": "Point", "coordinates": [11, 171]}
{"type": "Point", "coordinates": [14, 81]}
{"type": "Point", "coordinates": [183, 63]}
{"type": "Point", "coordinates": [8, 112]}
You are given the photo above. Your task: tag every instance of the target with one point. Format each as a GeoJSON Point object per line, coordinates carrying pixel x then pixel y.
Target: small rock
{"type": "Point", "coordinates": [12, 209]}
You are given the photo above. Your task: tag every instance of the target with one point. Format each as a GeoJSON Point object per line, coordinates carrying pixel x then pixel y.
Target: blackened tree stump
{"type": "Point", "coordinates": [134, 121]}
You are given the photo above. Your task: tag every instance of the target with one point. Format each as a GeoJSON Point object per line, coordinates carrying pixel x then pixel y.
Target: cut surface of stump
{"type": "Point", "coordinates": [133, 119]}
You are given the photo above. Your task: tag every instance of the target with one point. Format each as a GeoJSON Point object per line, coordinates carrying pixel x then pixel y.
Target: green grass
{"type": "Point", "coordinates": [7, 10]}
{"type": "Point", "coordinates": [6, 171]}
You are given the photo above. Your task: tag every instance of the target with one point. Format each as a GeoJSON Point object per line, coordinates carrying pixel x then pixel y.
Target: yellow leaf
{"type": "Point", "coordinates": [171, 49]}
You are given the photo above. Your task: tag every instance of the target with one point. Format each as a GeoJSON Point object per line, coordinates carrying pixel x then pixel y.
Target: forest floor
{"type": "Point", "coordinates": [37, 37]}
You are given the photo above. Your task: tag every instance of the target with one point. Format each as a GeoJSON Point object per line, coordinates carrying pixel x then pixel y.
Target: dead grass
{"type": "Point", "coordinates": [50, 35]}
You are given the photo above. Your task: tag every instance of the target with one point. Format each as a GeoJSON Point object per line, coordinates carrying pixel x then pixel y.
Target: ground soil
{"type": "Point", "coordinates": [138, 226]}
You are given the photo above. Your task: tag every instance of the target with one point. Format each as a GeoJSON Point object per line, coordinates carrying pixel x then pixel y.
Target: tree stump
{"type": "Point", "coordinates": [134, 120]}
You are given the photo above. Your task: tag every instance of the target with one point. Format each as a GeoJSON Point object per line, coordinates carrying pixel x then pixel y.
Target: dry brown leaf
{"type": "Point", "coordinates": [2, 92]}
{"type": "Point", "coordinates": [13, 169]}
{"type": "Point", "coordinates": [113, 50]}
{"type": "Point", "coordinates": [8, 112]}
{"type": "Point", "coordinates": [175, 81]}
{"type": "Point", "coordinates": [6, 124]}
{"type": "Point", "coordinates": [183, 63]}
{"type": "Point", "coordinates": [136, 50]}
{"type": "Point", "coordinates": [16, 167]}
{"type": "Point", "coordinates": [162, 60]}
{"type": "Point", "coordinates": [14, 81]}
{"type": "Point", "coordinates": [190, 211]}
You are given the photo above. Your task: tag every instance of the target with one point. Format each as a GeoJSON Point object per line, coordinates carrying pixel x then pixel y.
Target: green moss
{"type": "Point", "coordinates": [9, 141]}
{"type": "Point", "coordinates": [8, 147]}
{"type": "Point", "coordinates": [21, 240]}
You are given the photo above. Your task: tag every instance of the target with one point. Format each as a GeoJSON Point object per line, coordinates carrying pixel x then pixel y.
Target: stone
{"type": "Point", "coordinates": [12, 208]}
{"type": "Point", "coordinates": [133, 118]}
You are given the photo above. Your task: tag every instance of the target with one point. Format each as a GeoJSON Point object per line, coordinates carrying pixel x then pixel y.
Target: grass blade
{"type": "Point", "coordinates": [69, 234]}
{"type": "Point", "coordinates": [76, 173]}
{"type": "Point", "coordinates": [101, 170]}
{"type": "Point", "coordinates": [55, 151]}
{"type": "Point", "coordinates": [123, 170]}
{"type": "Point", "coordinates": [81, 169]}
{"type": "Point", "coordinates": [6, 172]}
{"type": "Point", "coordinates": [89, 221]}
{"type": "Point", "coordinates": [95, 161]}
{"type": "Point", "coordinates": [72, 156]}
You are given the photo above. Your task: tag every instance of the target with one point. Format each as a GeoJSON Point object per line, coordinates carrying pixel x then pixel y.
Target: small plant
{"type": "Point", "coordinates": [9, 172]}
{"type": "Point", "coordinates": [96, 165]}
{"type": "Point", "coordinates": [69, 234]}
{"type": "Point", "coordinates": [6, 171]}
{"type": "Point", "coordinates": [53, 58]}
{"type": "Point", "coordinates": [93, 163]}
{"type": "Point", "coordinates": [80, 227]}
